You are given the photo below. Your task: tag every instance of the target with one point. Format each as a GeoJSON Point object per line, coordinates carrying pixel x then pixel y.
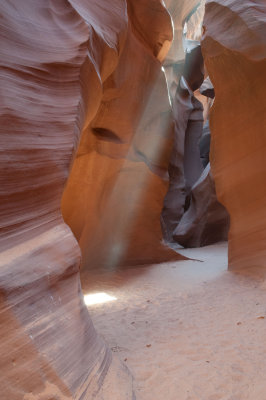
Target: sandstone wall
{"type": "Point", "coordinates": [115, 192]}
{"type": "Point", "coordinates": [234, 48]}
{"type": "Point", "coordinates": [93, 69]}
{"type": "Point", "coordinates": [55, 57]}
{"type": "Point", "coordinates": [180, 12]}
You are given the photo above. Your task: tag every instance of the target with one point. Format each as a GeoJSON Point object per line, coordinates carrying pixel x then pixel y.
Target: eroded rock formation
{"type": "Point", "coordinates": [192, 215]}
{"type": "Point", "coordinates": [182, 11]}
{"type": "Point", "coordinates": [234, 48]}
{"type": "Point", "coordinates": [55, 57]}
{"type": "Point", "coordinates": [185, 165]}
{"type": "Point", "coordinates": [95, 68]}
{"type": "Point", "coordinates": [72, 69]}
{"type": "Point", "coordinates": [115, 192]}
{"type": "Point", "coordinates": [206, 221]}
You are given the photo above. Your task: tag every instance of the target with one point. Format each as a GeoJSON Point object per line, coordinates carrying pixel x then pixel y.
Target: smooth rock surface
{"type": "Point", "coordinates": [54, 57]}
{"type": "Point", "coordinates": [234, 49]}
{"type": "Point", "coordinates": [116, 188]}
{"type": "Point", "coordinates": [183, 12]}
{"type": "Point", "coordinates": [185, 165]}
{"type": "Point", "coordinates": [206, 221]}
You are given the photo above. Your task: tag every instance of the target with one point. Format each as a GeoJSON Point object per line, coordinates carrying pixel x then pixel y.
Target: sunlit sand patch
{"type": "Point", "coordinates": [97, 298]}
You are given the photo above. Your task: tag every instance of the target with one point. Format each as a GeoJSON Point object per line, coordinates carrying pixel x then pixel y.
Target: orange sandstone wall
{"type": "Point", "coordinates": [55, 57]}
{"type": "Point", "coordinates": [115, 192]}
{"type": "Point", "coordinates": [234, 46]}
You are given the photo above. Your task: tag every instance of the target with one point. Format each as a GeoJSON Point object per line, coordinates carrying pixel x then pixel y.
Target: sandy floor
{"type": "Point", "coordinates": [187, 330]}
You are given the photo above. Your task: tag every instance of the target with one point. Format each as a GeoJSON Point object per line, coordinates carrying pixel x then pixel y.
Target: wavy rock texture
{"type": "Point", "coordinates": [206, 221]}
{"type": "Point", "coordinates": [115, 192]}
{"type": "Point", "coordinates": [55, 57]}
{"type": "Point", "coordinates": [185, 165]}
{"type": "Point", "coordinates": [234, 48]}
{"type": "Point", "coordinates": [181, 11]}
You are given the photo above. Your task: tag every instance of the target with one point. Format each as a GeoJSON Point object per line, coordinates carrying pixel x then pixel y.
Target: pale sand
{"type": "Point", "coordinates": [187, 330]}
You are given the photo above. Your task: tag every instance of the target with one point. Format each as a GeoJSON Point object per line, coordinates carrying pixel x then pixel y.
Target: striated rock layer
{"type": "Point", "coordinates": [206, 221]}
{"type": "Point", "coordinates": [185, 165]}
{"type": "Point", "coordinates": [234, 48]}
{"type": "Point", "coordinates": [183, 12]}
{"type": "Point", "coordinates": [115, 192]}
{"type": "Point", "coordinates": [55, 57]}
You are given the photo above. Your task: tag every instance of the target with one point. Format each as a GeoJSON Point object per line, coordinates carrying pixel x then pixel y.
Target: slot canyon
{"type": "Point", "coordinates": [133, 200]}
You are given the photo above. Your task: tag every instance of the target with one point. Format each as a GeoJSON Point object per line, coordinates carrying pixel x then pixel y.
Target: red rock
{"type": "Point", "coordinates": [54, 55]}
{"type": "Point", "coordinates": [115, 192]}
{"type": "Point", "coordinates": [234, 49]}
{"type": "Point", "coordinates": [72, 69]}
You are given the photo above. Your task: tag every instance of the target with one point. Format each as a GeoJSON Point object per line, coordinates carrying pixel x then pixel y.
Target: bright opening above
{"type": "Point", "coordinates": [97, 298]}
